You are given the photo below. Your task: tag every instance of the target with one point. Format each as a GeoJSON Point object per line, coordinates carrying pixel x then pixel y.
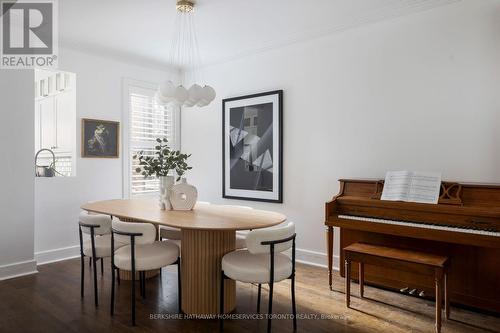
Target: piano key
{"type": "Point", "coordinates": [423, 225]}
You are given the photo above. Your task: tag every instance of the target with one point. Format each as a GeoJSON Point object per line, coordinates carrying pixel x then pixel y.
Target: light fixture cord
{"type": "Point", "coordinates": [185, 51]}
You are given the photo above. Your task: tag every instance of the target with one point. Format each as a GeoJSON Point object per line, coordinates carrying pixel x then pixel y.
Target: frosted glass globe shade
{"type": "Point", "coordinates": [195, 93]}
{"type": "Point", "coordinates": [167, 91]}
{"type": "Point", "coordinates": [180, 95]}
{"type": "Point", "coordinates": [208, 93]}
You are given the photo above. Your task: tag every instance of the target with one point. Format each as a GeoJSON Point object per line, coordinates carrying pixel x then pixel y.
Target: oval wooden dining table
{"type": "Point", "coordinates": [208, 233]}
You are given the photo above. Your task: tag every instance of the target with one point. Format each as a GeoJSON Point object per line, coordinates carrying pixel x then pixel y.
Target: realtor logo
{"type": "Point", "coordinates": [28, 32]}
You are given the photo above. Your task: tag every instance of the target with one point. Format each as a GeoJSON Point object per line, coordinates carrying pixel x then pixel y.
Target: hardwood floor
{"type": "Point", "coordinates": [50, 302]}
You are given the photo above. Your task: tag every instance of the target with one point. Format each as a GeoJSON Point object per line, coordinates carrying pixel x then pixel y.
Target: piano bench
{"type": "Point", "coordinates": [407, 260]}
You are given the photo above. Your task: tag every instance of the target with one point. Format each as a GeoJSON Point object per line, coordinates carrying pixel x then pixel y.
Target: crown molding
{"type": "Point", "coordinates": [382, 14]}
{"type": "Point", "coordinates": [388, 12]}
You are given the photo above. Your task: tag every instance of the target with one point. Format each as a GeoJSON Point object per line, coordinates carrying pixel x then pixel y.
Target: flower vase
{"type": "Point", "coordinates": [166, 183]}
{"type": "Point", "coordinates": [183, 196]}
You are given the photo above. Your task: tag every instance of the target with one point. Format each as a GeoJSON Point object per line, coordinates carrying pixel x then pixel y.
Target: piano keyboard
{"type": "Point", "coordinates": [422, 225]}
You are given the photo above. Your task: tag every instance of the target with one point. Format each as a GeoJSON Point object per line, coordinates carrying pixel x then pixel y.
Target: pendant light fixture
{"type": "Point", "coordinates": [185, 53]}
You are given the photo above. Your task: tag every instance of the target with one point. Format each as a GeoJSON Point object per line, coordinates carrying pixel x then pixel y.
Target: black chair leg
{"type": "Point", "coordinates": [258, 297]}
{"type": "Point", "coordinates": [294, 308]}
{"type": "Point", "coordinates": [90, 262]}
{"type": "Point", "coordinates": [82, 276]}
{"type": "Point", "coordinates": [133, 295]}
{"type": "Point", "coordinates": [270, 309]}
{"type": "Point", "coordinates": [112, 309]}
{"type": "Point", "coordinates": [82, 261]}
{"type": "Point", "coordinates": [179, 287]}
{"type": "Point", "coordinates": [161, 269]}
{"type": "Point", "coordinates": [94, 260]}
{"type": "Point", "coordinates": [118, 276]}
{"type": "Point", "coordinates": [221, 320]}
{"type": "Point", "coordinates": [102, 266]}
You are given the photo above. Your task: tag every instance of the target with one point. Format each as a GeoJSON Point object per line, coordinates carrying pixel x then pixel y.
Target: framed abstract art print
{"type": "Point", "coordinates": [252, 139]}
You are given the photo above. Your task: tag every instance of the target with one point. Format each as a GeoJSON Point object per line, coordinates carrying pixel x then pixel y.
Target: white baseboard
{"type": "Point", "coordinates": [64, 253]}
{"type": "Point", "coordinates": [17, 269]}
{"type": "Point", "coordinates": [307, 257]}
{"type": "Point", "coordinates": [314, 258]}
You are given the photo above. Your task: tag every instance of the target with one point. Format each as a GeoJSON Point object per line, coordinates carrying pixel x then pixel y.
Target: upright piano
{"type": "Point", "coordinates": [464, 225]}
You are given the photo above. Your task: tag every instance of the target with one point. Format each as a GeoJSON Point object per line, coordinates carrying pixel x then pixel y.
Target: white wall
{"type": "Point", "coordinates": [421, 92]}
{"type": "Point", "coordinates": [57, 200]}
{"type": "Point", "coordinates": [17, 123]}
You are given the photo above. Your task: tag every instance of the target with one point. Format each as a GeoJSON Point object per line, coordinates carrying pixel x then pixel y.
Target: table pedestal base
{"type": "Point", "coordinates": [202, 252]}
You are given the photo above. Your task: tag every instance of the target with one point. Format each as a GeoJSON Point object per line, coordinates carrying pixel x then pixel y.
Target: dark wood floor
{"type": "Point", "coordinates": [50, 302]}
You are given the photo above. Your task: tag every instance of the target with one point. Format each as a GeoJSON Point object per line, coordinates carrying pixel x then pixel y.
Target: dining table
{"type": "Point", "coordinates": [208, 232]}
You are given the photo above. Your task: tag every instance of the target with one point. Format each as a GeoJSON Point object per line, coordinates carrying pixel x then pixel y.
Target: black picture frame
{"type": "Point", "coordinates": [111, 141]}
{"type": "Point", "coordinates": [277, 147]}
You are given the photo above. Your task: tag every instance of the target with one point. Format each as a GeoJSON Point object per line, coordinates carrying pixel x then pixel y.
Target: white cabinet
{"type": "Point", "coordinates": [65, 121]}
{"type": "Point", "coordinates": [55, 121]}
{"type": "Point", "coordinates": [47, 123]}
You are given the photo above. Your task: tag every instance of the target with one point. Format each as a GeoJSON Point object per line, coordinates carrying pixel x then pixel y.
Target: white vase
{"type": "Point", "coordinates": [183, 196]}
{"type": "Point", "coordinates": [166, 183]}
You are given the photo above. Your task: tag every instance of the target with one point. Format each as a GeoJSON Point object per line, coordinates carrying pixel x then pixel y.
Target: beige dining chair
{"type": "Point", "coordinates": [240, 234]}
{"type": "Point", "coordinates": [96, 228]}
{"type": "Point", "coordinates": [263, 262]}
{"type": "Point", "coordinates": [140, 254]}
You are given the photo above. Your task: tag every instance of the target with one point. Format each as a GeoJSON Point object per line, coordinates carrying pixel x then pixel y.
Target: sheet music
{"type": "Point", "coordinates": [422, 187]}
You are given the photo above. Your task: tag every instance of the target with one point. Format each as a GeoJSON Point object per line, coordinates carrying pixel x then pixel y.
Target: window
{"type": "Point", "coordinates": [146, 120]}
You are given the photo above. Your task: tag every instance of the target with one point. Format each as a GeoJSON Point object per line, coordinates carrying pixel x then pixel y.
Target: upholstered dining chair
{"type": "Point", "coordinates": [263, 262]}
{"type": "Point", "coordinates": [140, 254]}
{"type": "Point", "coordinates": [98, 245]}
{"type": "Point", "coordinates": [241, 234]}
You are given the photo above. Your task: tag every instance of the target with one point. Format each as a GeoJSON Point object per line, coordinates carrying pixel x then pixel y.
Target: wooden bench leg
{"type": "Point", "coordinates": [347, 282]}
{"type": "Point", "coordinates": [446, 298]}
{"type": "Point", "coordinates": [439, 301]}
{"type": "Point", "coordinates": [361, 279]}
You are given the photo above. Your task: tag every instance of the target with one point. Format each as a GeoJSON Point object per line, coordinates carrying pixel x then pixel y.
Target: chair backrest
{"type": "Point", "coordinates": [147, 230]}
{"type": "Point", "coordinates": [256, 237]}
{"type": "Point", "coordinates": [103, 221]}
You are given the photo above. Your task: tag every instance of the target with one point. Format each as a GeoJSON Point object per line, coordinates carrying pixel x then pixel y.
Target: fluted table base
{"type": "Point", "coordinates": [201, 255]}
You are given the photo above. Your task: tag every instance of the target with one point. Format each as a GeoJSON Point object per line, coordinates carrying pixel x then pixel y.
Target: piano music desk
{"type": "Point", "coordinates": [413, 261]}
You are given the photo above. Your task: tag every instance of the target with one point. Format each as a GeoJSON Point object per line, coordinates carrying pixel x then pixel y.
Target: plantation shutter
{"type": "Point", "coordinates": [148, 121]}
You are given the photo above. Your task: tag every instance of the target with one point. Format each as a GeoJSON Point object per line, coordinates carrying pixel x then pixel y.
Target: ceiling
{"type": "Point", "coordinates": [227, 29]}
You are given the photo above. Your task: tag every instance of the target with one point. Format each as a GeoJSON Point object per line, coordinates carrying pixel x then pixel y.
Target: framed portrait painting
{"type": "Point", "coordinates": [252, 146]}
{"type": "Point", "coordinates": [100, 138]}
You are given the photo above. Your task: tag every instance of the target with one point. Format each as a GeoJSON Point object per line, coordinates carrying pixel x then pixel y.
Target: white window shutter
{"type": "Point", "coordinates": [147, 121]}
